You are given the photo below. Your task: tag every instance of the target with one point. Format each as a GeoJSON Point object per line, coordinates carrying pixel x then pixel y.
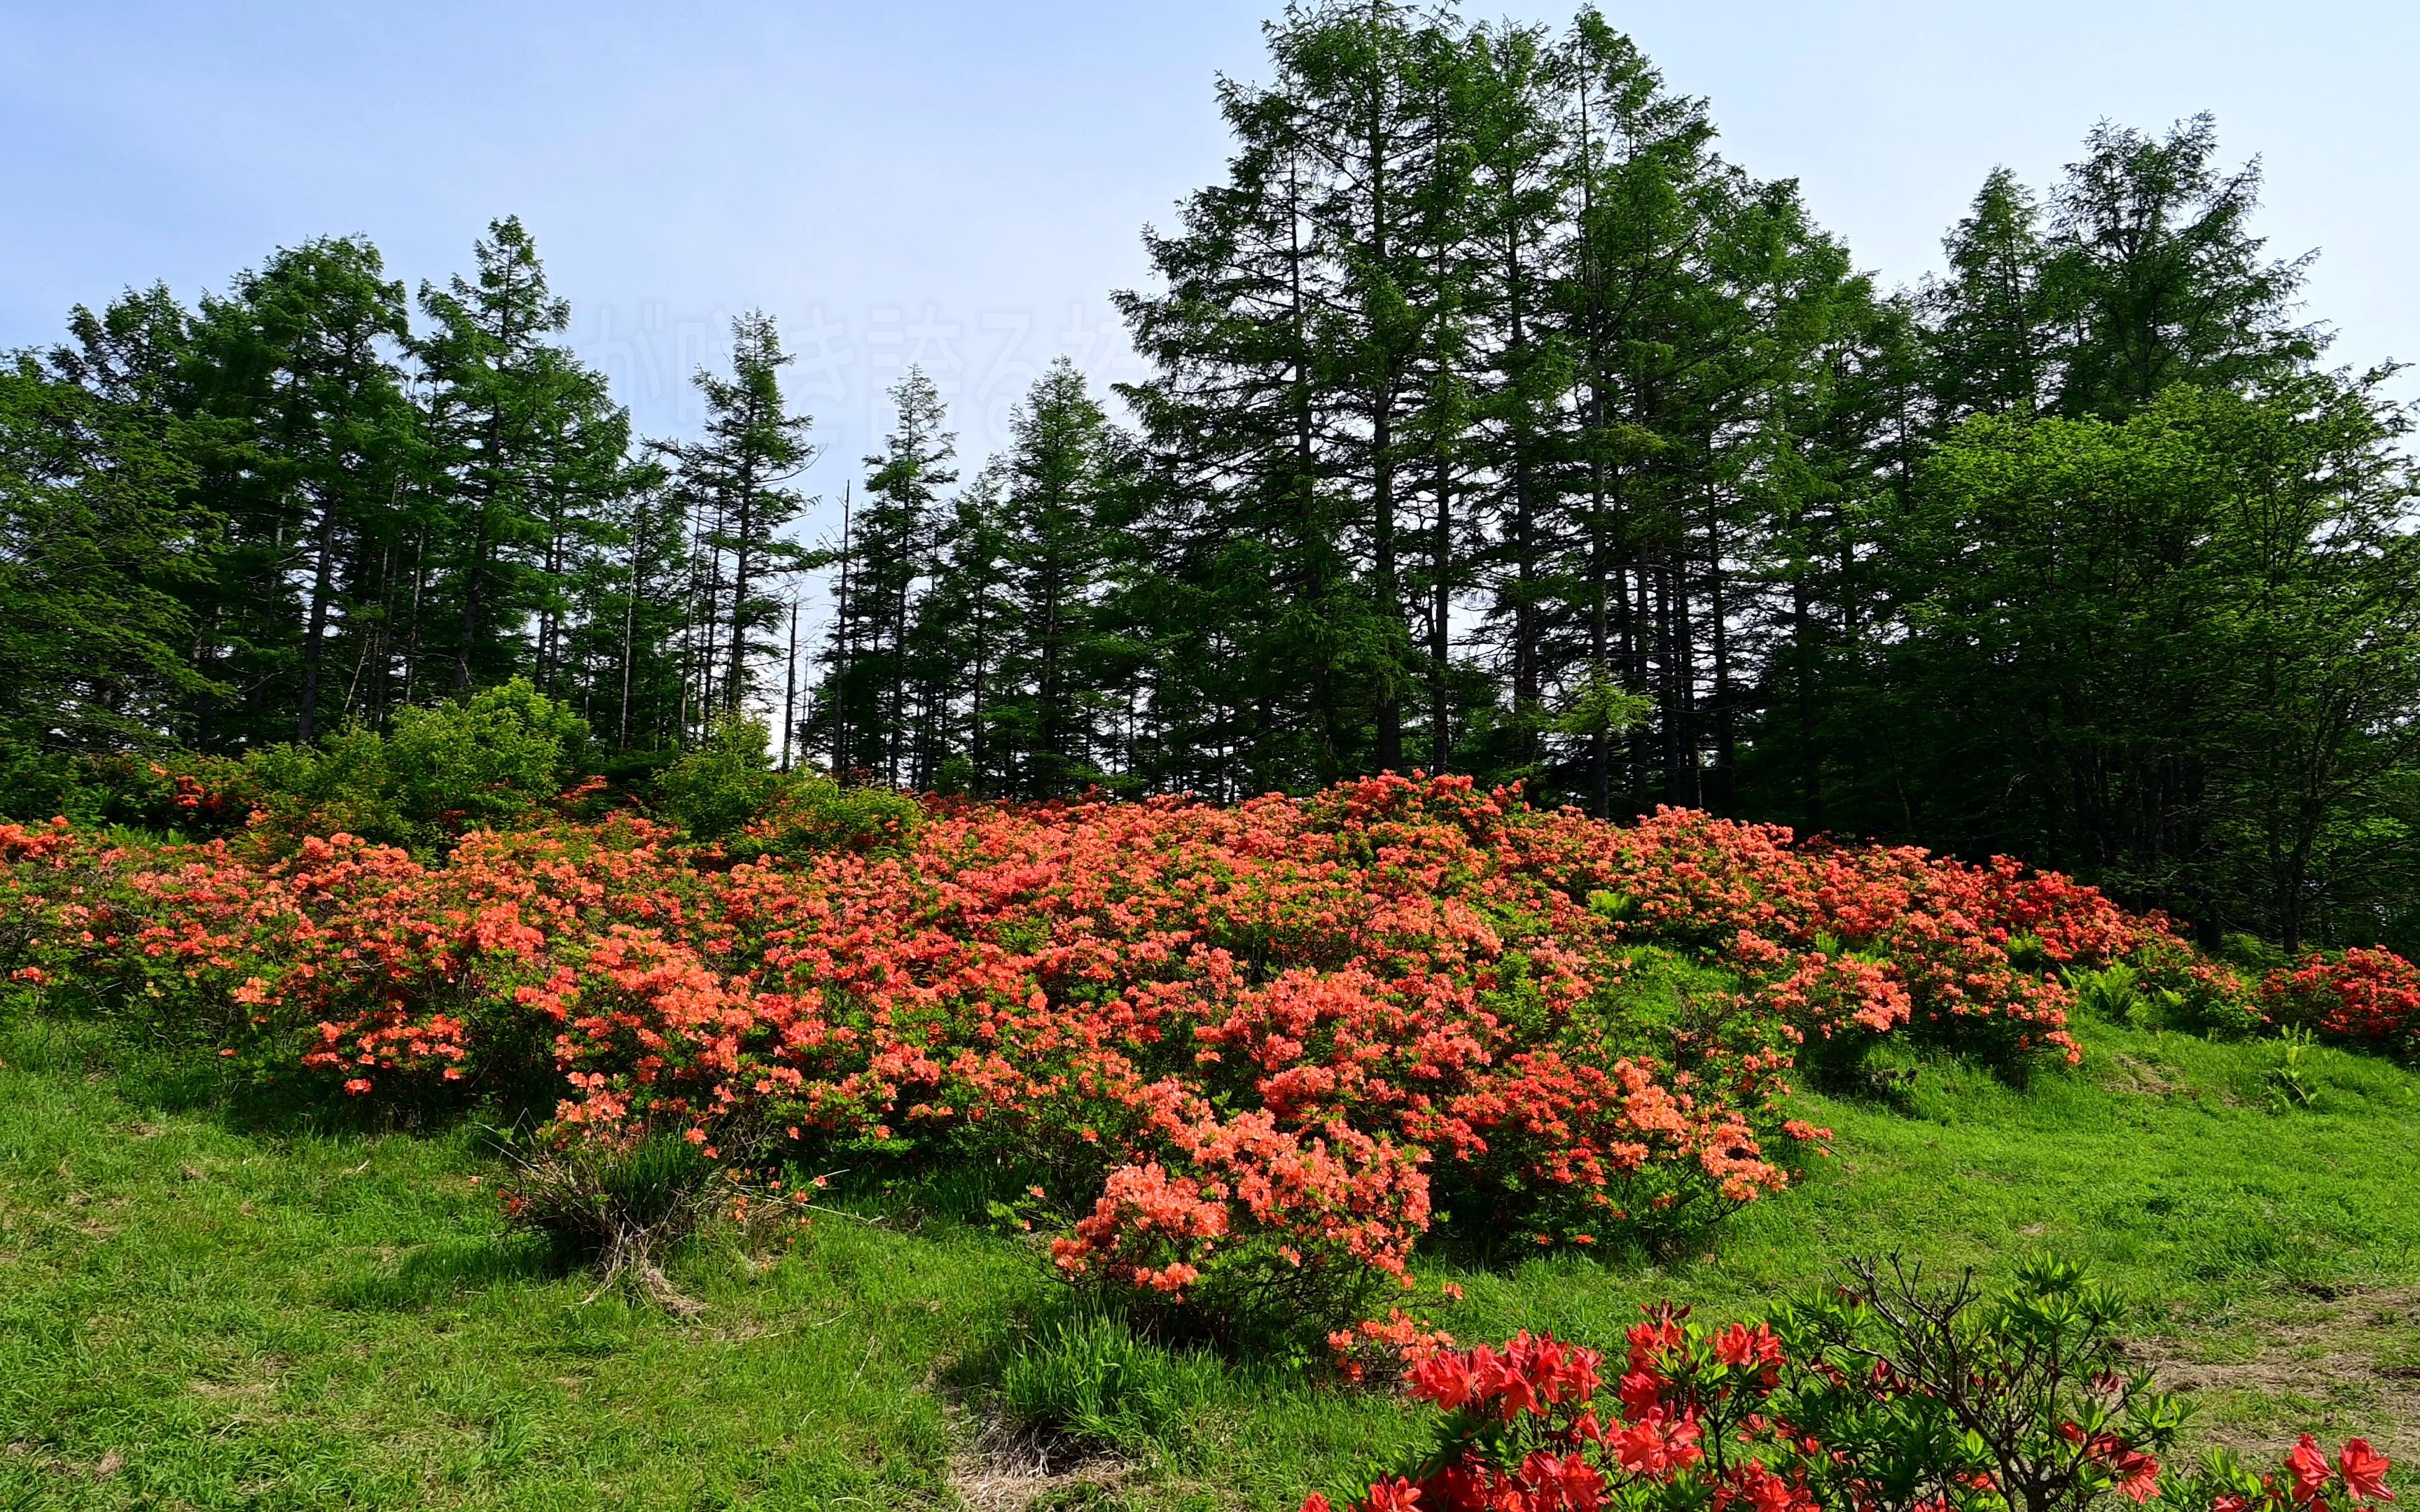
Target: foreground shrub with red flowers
{"type": "Point", "coordinates": [1886, 1396]}
{"type": "Point", "coordinates": [1252, 1054]}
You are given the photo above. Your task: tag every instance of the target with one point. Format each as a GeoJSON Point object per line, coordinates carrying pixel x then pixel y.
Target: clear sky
{"type": "Point", "coordinates": [963, 183]}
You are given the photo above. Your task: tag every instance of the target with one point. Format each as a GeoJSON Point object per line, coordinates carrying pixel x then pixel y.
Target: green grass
{"type": "Point", "coordinates": [193, 1315]}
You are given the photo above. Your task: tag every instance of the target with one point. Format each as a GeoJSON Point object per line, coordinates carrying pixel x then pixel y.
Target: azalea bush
{"type": "Point", "coordinates": [1887, 1395]}
{"type": "Point", "coordinates": [2365, 998]}
{"type": "Point", "coordinates": [1251, 1057]}
{"type": "Point", "coordinates": [1848, 942]}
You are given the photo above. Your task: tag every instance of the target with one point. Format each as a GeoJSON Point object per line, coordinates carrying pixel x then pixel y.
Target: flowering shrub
{"type": "Point", "coordinates": [1254, 1053]}
{"type": "Point", "coordinates": [2369, 997]}
{"type": "Point", "coordinates": [1849, 943]}
{"type": "Point", "coordinates": [1892, 1397]}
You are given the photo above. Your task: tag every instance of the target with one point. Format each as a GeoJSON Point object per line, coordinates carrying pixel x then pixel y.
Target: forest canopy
{"type": "Point", "coordinates": [1495, 424]}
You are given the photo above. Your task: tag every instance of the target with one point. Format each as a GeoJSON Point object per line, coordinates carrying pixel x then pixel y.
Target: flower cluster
{"type": "Point", "coordinates": [1736, 1418]}
{"type": "Point", "coordinates": [1859, 940]}
{"type": "Point", "coordinates": [1253, 1053]}
{"type": "Point", "coordinates": [2369, 997]}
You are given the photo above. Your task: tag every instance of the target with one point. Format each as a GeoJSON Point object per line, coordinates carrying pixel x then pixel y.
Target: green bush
{"type": "Point", "coordinates": [486, 762]}
{"type": "Point", "coordinates": [715, 789]}
{"type": "Point", "coordinates": [727, 789]}
{"type": "Point", "coordinates": [93, 789]}
{"type": "Point", "coordinates": [812, 812]}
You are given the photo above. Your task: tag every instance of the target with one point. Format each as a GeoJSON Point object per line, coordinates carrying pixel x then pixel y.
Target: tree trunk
{"type": "Point", "coordinates": [314, 637]}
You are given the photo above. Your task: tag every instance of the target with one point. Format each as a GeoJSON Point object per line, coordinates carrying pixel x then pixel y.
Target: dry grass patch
{"type": "Point", "coordinates": [2338, 1361]}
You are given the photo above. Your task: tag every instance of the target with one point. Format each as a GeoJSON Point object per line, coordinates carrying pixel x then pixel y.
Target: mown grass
{"type": "Point", "coordinates": [199, 1313]}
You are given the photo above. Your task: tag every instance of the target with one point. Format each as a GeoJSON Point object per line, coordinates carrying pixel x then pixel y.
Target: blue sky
{"type": "Point", "coordinates": [963, 183]}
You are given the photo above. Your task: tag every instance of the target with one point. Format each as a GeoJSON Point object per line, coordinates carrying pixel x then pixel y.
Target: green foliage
{"type": "Point", "coordinates": [1604, 707]}
{"type": "Point", "coordinates": [727, 789]}
{"type": "Point", "coordinates": [2172, 653]}
{"type": "Point", "coordinates": [2285, 1083]}
{"type": "Point", "coordinates": [487, 761]}
{"type": "Point", "coordinates": [810, 811]}
{"type": "Point", "coordinates": [718, 786]}
{"type": "Point", "coordinates": [305, 438]}
{"type": "Point", "coordinates": [98, 537]}
{"type": "Point", "coordinates": [1617, 906]}
{"type": "Point", "coordinates": [523, 441]}
{"type": "Point", "coordinates": [2113, 993]}
{"type": "Point", "coordinates": [91, 788]}
{"type": "Point", "coordinates": [1997, 1382]}
{"type": "Point", "coordinates": [2250, 953]}
{"type": "Point", "coordinates": [2179, 991]}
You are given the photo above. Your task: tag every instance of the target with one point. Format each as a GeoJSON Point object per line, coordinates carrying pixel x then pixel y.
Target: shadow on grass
{"type": "Point", "coordinates": [444, 1269]}
{"type": "Point", "coordinates": [265, 1095]}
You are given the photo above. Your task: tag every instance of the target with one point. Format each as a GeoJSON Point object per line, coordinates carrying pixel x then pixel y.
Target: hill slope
{"type": "Point", "coordinates": [196, 1314]}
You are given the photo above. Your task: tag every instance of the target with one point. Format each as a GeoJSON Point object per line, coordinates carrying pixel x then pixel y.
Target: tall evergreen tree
{"type": "Point", "coordinates": [1066, 474]}
{"type": "Point", "coordinates": [2155, 272]}
{"type": "Point", "coordinates": [332, 445]}
{"type": "Point", "coordinates": [963, 631]}
{"type": "Point", "coordinates": [1999, 350]}
{"type": "Point", "coordinates": [736, 479]}
{"type": "Point", "coordinates": [869, 697]}
{"type": "Point", "coordinates": [525, 445]}
{"type": "Point", "coordinates": [97, 537]}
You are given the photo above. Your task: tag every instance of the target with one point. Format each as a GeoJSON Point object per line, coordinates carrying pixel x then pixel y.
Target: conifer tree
{"type": "Point", "coordinates": [99, 538]}
{"type": "Point", "coordinates": [630, 603]}
{"type": "Point", "coordinates": [2156, 275]}
{"type": "Point", "coordinates": [869, 697]}
{"type": "Point", "coordinates": [735, 479]}
{"type": "Point", "coordinates": [1066, 473]}
{"type": "Point", "coordinates": [335, 440]}
{"type": "Point", "coordinates": [1634, 292]}
{"type": "Point", "coordinates": [1997, 346]}
{"type": "Point", "coordinates": [964, 629]}
{"type": "Point", "coordinates": [524, 445]}
{"type": "Point", "coordinates": [1524, 376]}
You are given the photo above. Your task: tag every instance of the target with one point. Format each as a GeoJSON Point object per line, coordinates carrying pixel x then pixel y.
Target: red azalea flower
{"type": "Point", "coordinates": [1642, 1391]}
{"type": "Point", "coordinates": [2308, 1466]}
{"type": "Point", "coordinates": [2365, 1472]}
{"type": "Point", "coordinates": [1397, 1496]}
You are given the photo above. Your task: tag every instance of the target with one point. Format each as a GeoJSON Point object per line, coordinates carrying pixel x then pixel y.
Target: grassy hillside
{"type": "Point", "coordinates": [198, 1313]}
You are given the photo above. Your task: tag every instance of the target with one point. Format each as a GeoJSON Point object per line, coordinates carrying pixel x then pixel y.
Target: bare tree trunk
{"type": "Point", "coordinates": [629, 616]}
{"type": "Point", "coordinates": [790, 687]}
{"type": "Point", "coordinates": [315, 638]}
{"type": "Point", "coordinates": [1441, 623]}
{"type": "Point", "coordinates": [841, 686]}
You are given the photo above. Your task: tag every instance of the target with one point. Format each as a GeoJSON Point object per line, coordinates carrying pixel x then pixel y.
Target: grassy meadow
{"type": "Point", "coordinates": [204, 1308]}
